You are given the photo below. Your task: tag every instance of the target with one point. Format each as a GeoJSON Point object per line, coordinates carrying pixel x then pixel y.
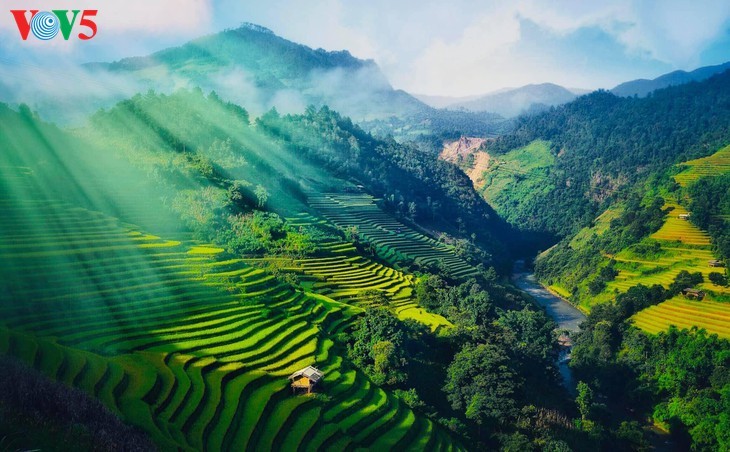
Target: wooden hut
{"type": "Point", "coordinates": [305, 379]}
{"type": "Point", "coordinates": [683, 216]}
{"type": "Point", "coordinates": [693, 293]}
{"type": "Point", "coordinates": [715, 263]}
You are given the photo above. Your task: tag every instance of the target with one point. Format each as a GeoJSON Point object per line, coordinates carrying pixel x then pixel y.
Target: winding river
{"type": "Point", "coordinates": [567, 316]}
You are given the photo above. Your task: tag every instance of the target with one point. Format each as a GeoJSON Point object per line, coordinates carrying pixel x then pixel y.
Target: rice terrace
{"type": "Point", "coordinates": [195, 348]}
{"type": "Point", "coordinates": [356, 226]}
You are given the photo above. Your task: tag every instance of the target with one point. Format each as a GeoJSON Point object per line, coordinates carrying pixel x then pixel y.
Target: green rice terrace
{"type": "Point", "coordinates": [195, 348]}
{"type": "Point", "coordinates": [392, 240]}
{"type": "Point", "coordinates": [342, 274]}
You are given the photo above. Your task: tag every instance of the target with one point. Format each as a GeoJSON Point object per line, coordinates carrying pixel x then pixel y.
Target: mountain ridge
{"type": "Point", "coordinates": [642, 87]}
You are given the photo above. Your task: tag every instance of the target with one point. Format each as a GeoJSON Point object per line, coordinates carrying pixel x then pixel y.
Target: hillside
{"type": "Point", "coordinates": [642, 87]}
{"type": "Point", "coordinates": [193, 262]}
{"type": "Point", "coordinates": [613, 255]}
{"type": "Point", "coordinates": [602, 145]}
{"type": "Point", "coordinates": [516, 101]}
{"type": "Point", "coordinates": [255, 67]}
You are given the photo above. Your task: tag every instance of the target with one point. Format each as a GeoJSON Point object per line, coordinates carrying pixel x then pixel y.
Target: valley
{"type": "Point", "coordinates": [246, 243]}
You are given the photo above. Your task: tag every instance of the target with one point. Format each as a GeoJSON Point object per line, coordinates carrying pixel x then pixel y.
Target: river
{"type": "Point", "coordinates": [567, 316]}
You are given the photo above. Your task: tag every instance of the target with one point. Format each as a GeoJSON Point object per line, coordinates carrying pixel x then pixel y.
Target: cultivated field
{"type": "Point", "coordinates": [713, 165]}
{"type": "Point", "coordinates": [393, 241]}
{"type": "Point", "coordinates": [191, 346]}
{"type": "Point", "coordinates": [683, 247]}
{"type": "Point", "coordinates": [341, 273]}
{"type": "Point", "coordinates": [712, 316]}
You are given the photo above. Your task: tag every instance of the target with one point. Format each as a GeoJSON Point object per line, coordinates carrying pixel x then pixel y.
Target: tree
{"type": "Point", "coordinates": [412, 210]}
{"type": "Point", "coordinates": [262, 195]}
{"type": "Point", "coordinates": [378, 346]}
{"type": "Point", "coordinates": [481, 383]}
{"type": "Point", "coordinates": [387, 364]}
{"type": "Point", "coordinates": [718, 279]}
{"type": "Point", "coordinates": [532, 336]}
{"type": "Point", "coordinates": [584, 400]}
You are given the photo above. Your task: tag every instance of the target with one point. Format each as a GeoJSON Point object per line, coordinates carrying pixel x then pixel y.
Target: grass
{"type": "Point", "coordinates": [192, 347]}
{"type": "Point", "coordinates": [510, 178]}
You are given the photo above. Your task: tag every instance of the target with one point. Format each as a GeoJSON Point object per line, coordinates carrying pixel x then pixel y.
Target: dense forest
{"type": "Point", "coordinates": [681, 379]}
{"type": "Point", "coordinates": [604, 144]}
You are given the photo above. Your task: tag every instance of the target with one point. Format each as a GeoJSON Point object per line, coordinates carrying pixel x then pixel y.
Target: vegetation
{"type": "Point", "coordinates": [190, 332]}
{"type": "Point", "coordinates": [710, 209]}
{"type": "Point", "coordinates": [679, 379]}
{"type": "Point", "coordinates": [391, 171]}
{"type": "Point", "coordinates": [600, 140]}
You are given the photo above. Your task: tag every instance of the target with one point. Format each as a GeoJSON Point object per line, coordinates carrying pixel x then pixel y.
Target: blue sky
{"type": "Point", "coordinates": [459, 47]}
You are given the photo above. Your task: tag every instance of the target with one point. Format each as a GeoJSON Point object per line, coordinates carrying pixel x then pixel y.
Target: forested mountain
{"type": "Point", "coordinates": [255, 67]}
{"type": "Point", "coordinates": [516, 101]}
{"type": "Point", "coordinates": [642, 87]}
{"type": "Point", "coordinates": [603, 144]}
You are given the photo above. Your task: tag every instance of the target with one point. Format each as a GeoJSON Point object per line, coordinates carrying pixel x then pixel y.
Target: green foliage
{"type": "Point", "coordinates": [680, 378]}
{"type": "Point", "coordinates": [685, 279]}
{"type": "Point", "coordinates": [395, 172]}
{"type": "Point", "coordinates": [583, 265]}
{"type": "Point", "coordinates": [718, 279]}
{"type": "Point", "coordinates": [531, 337]}
{"type": "Point", "coordinates": [584, 400]}
{"type": "Point", "coordinates": [710, 208]}
{"type": "Point", "coordinates": [600, 140]}
{"type": "Point", "coordinates": [481, 384]}
{"type": "Point", "coordinates": [378, 346]}
{"type": "Point", "coordinates": [410, 397]}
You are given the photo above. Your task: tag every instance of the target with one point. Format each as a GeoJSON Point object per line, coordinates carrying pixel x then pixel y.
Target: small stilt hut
{"type": "Point", "coordinates": [305, 379]}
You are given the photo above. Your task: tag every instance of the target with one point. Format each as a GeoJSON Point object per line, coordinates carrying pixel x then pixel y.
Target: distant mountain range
{"type": "Point", "coordinates": [508, 102]}
{"type": "Point", "coordinates": [642, 87]}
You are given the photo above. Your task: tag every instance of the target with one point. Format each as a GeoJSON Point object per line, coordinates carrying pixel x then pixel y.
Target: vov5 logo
{"type": "Point", "coordinates": [45, 25]}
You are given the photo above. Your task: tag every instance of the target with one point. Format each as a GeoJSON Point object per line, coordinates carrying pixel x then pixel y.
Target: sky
{"type": "Point", "coordinates": [450, 48]}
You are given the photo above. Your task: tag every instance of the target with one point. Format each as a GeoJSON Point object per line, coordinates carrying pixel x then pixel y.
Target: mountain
{"type": "Point", "coordinates": [642, 87]}
{"type": "Point", "coordinates": [513, 102]}
{"type": "Point", "coordinates": [595, 148]}
{"type": "Point", "coordinates": [442, 101]}
{"type": "Point", "coordinates": [253, 66]}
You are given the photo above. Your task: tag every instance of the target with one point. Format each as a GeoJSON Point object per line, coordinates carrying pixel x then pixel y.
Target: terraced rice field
{"type": "Point", "coordinates": [681, 231]}
{"type": "Point", "coordinates": [192, 347]}
{"type": "Point", "coordinates": [682, 313]}
{"type": "Point", "coordinates": [713, 165]}
{"type": "Point", "coordinates": [342, 274]}
{"type": "Point", "coordinates": [684, 247]}
{"type": "Point", "coordinates": [393, 240]}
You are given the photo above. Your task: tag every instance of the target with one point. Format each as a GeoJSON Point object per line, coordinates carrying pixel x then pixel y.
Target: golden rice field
{"type": "Point", "coordinates": [684, 247]}
{"type": "Point", "coordinates": [680, 231]}
{"type": "Point", "coordinates": [682, 313]}
{"type": "Point", "coordinates": [713, 165]}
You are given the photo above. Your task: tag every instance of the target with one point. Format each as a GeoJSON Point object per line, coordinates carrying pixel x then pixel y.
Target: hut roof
{"type": "Point", "coordinates": [310, 372]}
